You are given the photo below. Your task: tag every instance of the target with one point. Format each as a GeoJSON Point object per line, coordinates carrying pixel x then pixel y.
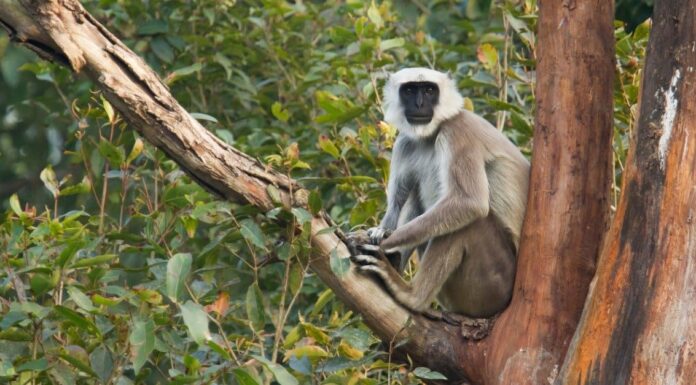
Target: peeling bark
{"type": "Point", "coordinates": [639, 326]}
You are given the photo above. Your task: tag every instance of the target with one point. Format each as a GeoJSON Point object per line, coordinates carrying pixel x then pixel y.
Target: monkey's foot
{"type": "Point", "coordinates": [358, 246]}
{"type": "Point", "coordinates": [369, 264]}
{"type": "Point", "coordinates": [471, 328]}
{"type": "Point", "coordinates": [476, 328]}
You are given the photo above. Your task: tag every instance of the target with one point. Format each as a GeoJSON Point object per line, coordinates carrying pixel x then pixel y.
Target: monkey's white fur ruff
{"type": "Point", "coordinates": [449, 104]}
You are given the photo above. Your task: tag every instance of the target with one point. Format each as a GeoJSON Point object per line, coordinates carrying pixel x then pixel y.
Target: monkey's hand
{"type": "Point", "coordinates": [377, 234]}
{"type": "Point", "coordinates": [355, 239]}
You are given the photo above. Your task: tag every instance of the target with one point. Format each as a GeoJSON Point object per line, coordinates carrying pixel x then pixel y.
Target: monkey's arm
{"type": "Point", "coordinates": [466, 200]}
{"type": "Point", "coordinates": [399, 188]}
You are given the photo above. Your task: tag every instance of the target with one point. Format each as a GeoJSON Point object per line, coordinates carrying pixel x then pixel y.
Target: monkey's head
{"type": "Point", "coordinates": [417, 100]}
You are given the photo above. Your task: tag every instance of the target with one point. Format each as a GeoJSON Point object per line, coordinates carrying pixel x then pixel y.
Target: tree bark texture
{"type": "Point", "coordinates": [568, 201]}
{"type": "Point", "coordinates": [568, 204]}
{"type": "Point", "coordinates": [639, 325]}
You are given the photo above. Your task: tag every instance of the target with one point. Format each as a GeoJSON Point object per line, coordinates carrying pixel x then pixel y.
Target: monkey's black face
{"type": "Point", "coordinates": [419, 100]}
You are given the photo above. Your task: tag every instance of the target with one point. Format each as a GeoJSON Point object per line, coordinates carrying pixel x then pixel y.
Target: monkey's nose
{"type": "Point", "coordinates": [419, 100]}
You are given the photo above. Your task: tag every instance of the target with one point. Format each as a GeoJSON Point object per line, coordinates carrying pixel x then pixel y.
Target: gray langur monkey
{"type": "Point", "coordinates": [457, 190]}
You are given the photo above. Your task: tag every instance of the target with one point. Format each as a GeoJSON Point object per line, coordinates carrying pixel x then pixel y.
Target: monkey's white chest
{"type": "Point", "coordinates": [430, 167]}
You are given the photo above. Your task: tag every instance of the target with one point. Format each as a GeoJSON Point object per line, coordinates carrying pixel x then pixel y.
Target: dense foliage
{"type": "Point", "coordinates": [117, 268]}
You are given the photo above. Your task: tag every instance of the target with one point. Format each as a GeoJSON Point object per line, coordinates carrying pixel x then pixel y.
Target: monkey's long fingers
{"type": "Point", "coordinates": [365, 260]}
{"type": "Point", "coordinates": [378, 234]}
{"type": "Point", "coordinates": [369, 249]}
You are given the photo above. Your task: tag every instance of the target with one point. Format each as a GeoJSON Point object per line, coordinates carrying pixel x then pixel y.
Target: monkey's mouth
{"type": "Point", "coordinates": [419, 119]}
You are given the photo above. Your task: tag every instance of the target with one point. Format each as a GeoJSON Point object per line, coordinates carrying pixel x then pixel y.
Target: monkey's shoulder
{"type": "Point", "coordinates": [468, 131]}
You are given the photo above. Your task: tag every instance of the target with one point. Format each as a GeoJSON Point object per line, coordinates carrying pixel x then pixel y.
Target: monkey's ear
{"type": "Point", "coordinates": [449, 74]}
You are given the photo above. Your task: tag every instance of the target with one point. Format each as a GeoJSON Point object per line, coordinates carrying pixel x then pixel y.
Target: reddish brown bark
{"type": "Point", "coordinates": [568, 204]}
{"type": "Point", "coordinates": [639, 326]}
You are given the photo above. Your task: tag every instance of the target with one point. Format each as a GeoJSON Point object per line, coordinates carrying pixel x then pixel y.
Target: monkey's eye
{"type": "Point", "coordinates": [429, 90]}
{"type": "Point", "coordinates": [408, 90]}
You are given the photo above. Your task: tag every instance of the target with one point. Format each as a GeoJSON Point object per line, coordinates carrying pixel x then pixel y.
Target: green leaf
{"type": "Point", "coordinates": [254, 307]}
{"type": "Point", "coordinates": [114, 154]}
{"type": "Point", "coordinates": [317, 334]}
{"type": "Point", "coordinates": [374, 16]}
{"type": "Point", "coordinates": [6, 369]}
{"type": "Point", "coordinates": [77, 357]}
{"type": "Point", "coordinates": [48, 177]}
{"type": "Point", "coordinates": [162, 49]}
{"type": "Point", "coordinates": [339, 265]}
{"type": "Point", "coordinates": [37, 365]}
{"type": "Point", "coordinates": [69, 252]}
{"type": "Point", "coordinates": [293, 336]}
{"type": "Point", "coordinates": [80, 298]}
{"type": "Point", "coordinates": [77, 319]}
{"type": "Point", "coordinates": [80, 188]}
{"type": "Point", "coordinates": [280, 373]}
{"type": "Point", "coordinates": [178, 268]}
{"type": "Point", "coordinates": [183, 72]}
{"type": "Point", "coordinates": [281, 114]}
{"type": "Point", "coordinates": [428, 374]}
{"type": "Point", "coordinates": [142, 340]}
{"type": "Point", "coordinates": [15, 334]}
{"type": "Point", "coordinates": [324, 298]}
{"type": "Point", "coordinates": [274, 194]}
{"type": "Point", "coordinates": [196, 320]}
{"type": "Point", "coordinates": [328, 146]}
{"type": "Point", "coordinates": [135, 151]}
{"type": "Point", "coordinates": [340, 117]}
{"type": "Point", "coordinates": [244, 377]}
{"type": "Point", "coordinates": [98, 260]}
{"type": "Point", "coordinates": [315, 203]}
{"type": "Point", "coordinates": [476, 9]}
{"type": "Point", "coordinates": [200, 116]}
{"type": "Point", "coordinates": [153, 27]}
{"type": "Point", "coordinates": [312, 352]}
{"type": "Point", "coordinates": [252, 233]}
{"type": "Point", "coordinates": [106, 301]}
{"type": "Point", "coordinates": [386, 45]}
{"type": "Point", "coordinates": [15, 206]}
{"type": "Point", "coordinates": [363, 211]}
{"type": "Point", "coordinates": [219, 350]}
{"type": "Point", "coordinates": [12, 317]}
{"type": "Point", "coordinates": [40, 284]}
{"type": "Point", "coordinates": [225, 62]}
{"type": "Point", "coordinates": [487, 55]}
{"type": "Point", "coordinates": [102, 362]}
{"type": "Point", "coordinates": [108, 108]}
{"type": "Point", "coordinates": [303, 216]}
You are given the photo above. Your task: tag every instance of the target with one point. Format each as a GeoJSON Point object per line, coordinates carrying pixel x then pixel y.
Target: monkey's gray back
{"type": "Point", "coordinates": [506, 168]}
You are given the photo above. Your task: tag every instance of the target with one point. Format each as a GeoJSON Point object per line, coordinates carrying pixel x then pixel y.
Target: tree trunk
{"type": "Point", "coordinates": [568, 205]}
{"type": "Point", "coordinates": [639, 325]}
